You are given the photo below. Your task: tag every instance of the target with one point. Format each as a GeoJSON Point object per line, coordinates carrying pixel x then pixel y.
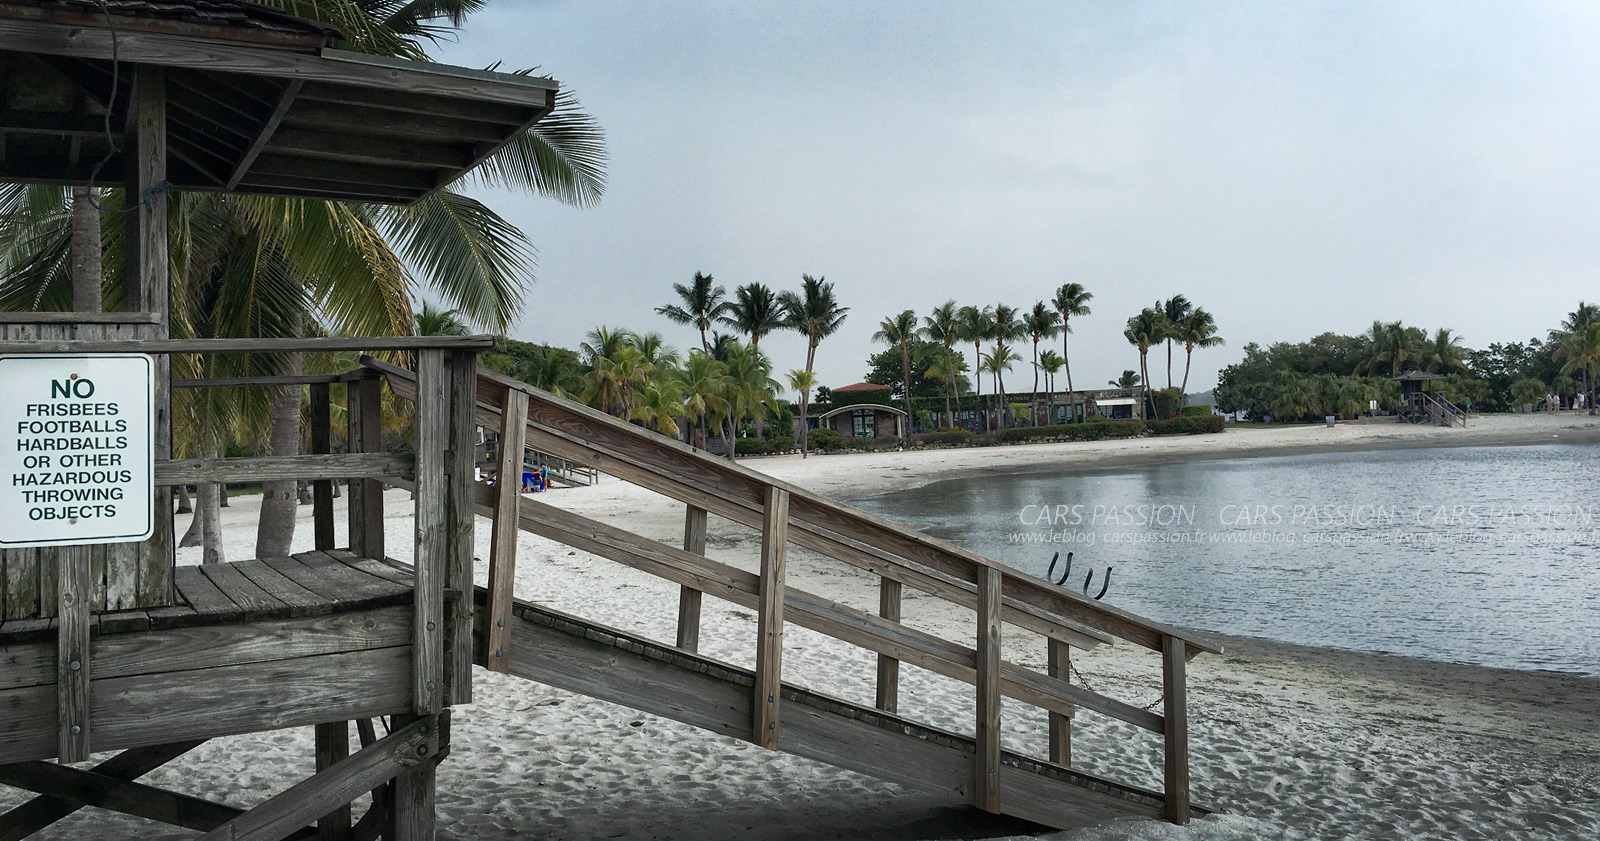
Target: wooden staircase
{"type": "Point", "coordinates": [674, 681]}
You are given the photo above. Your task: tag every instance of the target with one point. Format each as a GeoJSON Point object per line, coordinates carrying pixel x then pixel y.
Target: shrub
{"type": "Point", "coordinates": [758, 447]}
{"type": "Point", "coordinates": [823, 439]}
{"type": "Point", "coordinates": [1191, 425]}
{"type": "Point", "coordinates": [943, 438]}
{"type": "Point", "coordinates": [1189, 411]}
{"type": "Point", "coordinates": [1098, 419]}
{"type": "Point", "coordinates": [1068, 432]}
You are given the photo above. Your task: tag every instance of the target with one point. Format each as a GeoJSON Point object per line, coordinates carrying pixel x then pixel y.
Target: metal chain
{"type": "Point", "coordinates": [1084, 682]}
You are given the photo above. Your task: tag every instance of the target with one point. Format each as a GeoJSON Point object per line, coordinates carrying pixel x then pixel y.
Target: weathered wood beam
{"type": "Point", "coordinates": [768, 691]}
{"type": "Point", "coordinates": [364, 410]}
{"type": "Point", "coordinates": [268, 128]}
{"type": "Point", "coordinates": [308, 345]}
{"type": "Point", "coordinates": [888, 686]}
{"type": "Point", "coordinates": [461, 523]}
{"type": "Point", "coordinates": [78, 318]}
{"type": "Point", "coordinates": [276, 468]}
{"type": "Point", "coordinates": [425, 105]}
{"type": "Point", "coordinates": [102, 791]}
{"type": "Point", "coordinates": [40, 812]}
{"type": "Point", "coordinates": [368, 150]}
{"type": "Point", "coordinates": [334, 66]}
{"type": "Point", "coordinates": [238, 382]}
{"type": "Point", "coordinates": [407, 748]}
{"type": "Point", "coordinates": [503, 542]}
{"type": "Point", "coordinates": [74, 594]}
{"type": "Point", "coordinates": [1060, 667]}
{"type": "Point", "coordinates": [322, 444]}
{"type": "Point", "coordinates": [986, 761]}
{"type": "Point", "coordinates": [1175, 741]}
{"type": "Point", "coordinates": [432, 433]}
{"type": "Point", "coordinates": [689, 599]}
{"type": "Point", "coordinates": [333, 747]}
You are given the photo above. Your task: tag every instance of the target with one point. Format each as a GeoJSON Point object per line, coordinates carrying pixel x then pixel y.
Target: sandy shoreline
{"type": "Point", "coordinates": [1291, 742]}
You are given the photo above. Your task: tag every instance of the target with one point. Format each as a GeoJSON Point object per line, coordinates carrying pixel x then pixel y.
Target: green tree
{"type": "Point", "coordinates": [1444, 353]}
{"type": "Point", "coordinates": [756, 312]}
{"type": "Point", "coordinates": [974, 325]}
{"type": "Point", "coordinates": [943, 326]}
{"type": "Point", "coordinates": [1071, 300]}
{"type": "Point", "coordinates": [997, 362]}
{"type": "Point", "coordinates": [1051, 363]}
{"type": "Point", "coordinates": [1130, 379]}
{"type": "Point", "coordinates": [1176, 310]}
{"type": "Point", "coordinates": [802, 381]}
{"type": "Point", "coordinates": [815, 312]}
{"type": "Point", "coordinates": [700, 303]}
{"type": "Point", "coordinates": [1527, 391]}
{"type": "Point", "coordinates": [1579, 350]}
{"type": "Point", "coordinates": [1144, 331]}
{"type": "Point", "coordinates": [434, 322]}
{"type": "Point", "coordinates": [900, 330]}
{"type": "Point", "coordinates": [1197, 330]}
{"type": "Point", "coordinates": [1041, 322]}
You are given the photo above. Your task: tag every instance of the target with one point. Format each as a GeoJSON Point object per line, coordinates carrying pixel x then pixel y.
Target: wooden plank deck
{"type": "Point", "coordinates": [251, 646]}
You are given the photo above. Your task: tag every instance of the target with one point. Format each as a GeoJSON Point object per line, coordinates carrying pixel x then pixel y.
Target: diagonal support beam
{"type": "Point", "coordinates": [268, 128]}
{"type": "Point", "coordinates": [40, 812]}
{"type": "Point", "coordinates": [89, 788]}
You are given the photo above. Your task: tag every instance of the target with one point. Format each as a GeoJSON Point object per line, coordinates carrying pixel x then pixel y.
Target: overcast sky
{"type": "Point", "coordinates": [1292, 167]}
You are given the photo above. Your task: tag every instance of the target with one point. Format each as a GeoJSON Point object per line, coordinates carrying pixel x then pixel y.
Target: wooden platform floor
{"type": "Point", "coordinates": [251, 646]}
{"type": "Point", "coordinates": [305, 585]}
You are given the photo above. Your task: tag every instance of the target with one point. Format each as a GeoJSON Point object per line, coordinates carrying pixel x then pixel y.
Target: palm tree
{"type": "Point", "coordinates": [1176, 310]}
{"type": "Point", "coordinates": [755, 312]}
{"type": "Point", "coordinates": [943, 326]}
{"type": "Point", "coordinates": [1580, 351]}
{"type": "Point", "coordinates": [1071, 300]}
{"type": "Point", "coordinates": [1390, 344]}
{"type": "Point", "coordinates": [900, 330]}
{"type": "Point", "coordinates": [997, 362]}
{"type": "Point", "coordinates": [1130, 380]}
{"type": "Point", "coordinates": [701, 304]}
{"type": "Point", "coordinates": [1041, 322]}
{"type": "Point", "coordinates": [1050, 363]}
{"type": "Point", "coordinates": [433, 322]}
{"type": "Point", "coordinates": [705, 388]}
{"type": "Point", "coordinates": [751, 388]}
{"type": "Point", "coordinates": [815, 312]}
{"type": "Point", "coordinates": [1005, 328]}
{"type": "Point", "coordinates": [1198, 330]}
{"type": "Point", "coordinates": [1444, 353]}
{"type": "Point", "coordinates": [1145, 330]}
{"type": "Point", "coordinates": [802, 382]}
{"type": "Point", "coordinates": [350, 261]}
{"type": "Point", "coordinates": [974, 325]}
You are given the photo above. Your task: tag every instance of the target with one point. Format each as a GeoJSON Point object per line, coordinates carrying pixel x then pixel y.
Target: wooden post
{"type": "Point", "coordinates": [333, 745]}
{"type": "Point", "coordinates": [888, 667]}
{"type": "Point", "coordinates": [1060, 667]}
{"type": "Point", "coordinates": [1176, 735]}
{"type": "Point", "coordinates": [462, 524]}
{"type": "Point", "coordinates": [432, 525]}
{"type": "Point", "coordinates": [503, 542]}
{"type": "Point", "coordinates": [321, 444]}
{"type": "Point", "coordinates": [72, 653]}
{"type": "Point", "coordinates": [987, 760]}
{"type": "Point", "coordinates": [148, 290]}
{"type": "Point", "coordinates": [694, 540]}
{"type": "Point", "coordinates": [413, 815]}
{"type": "Point", "coordinates": [769, 622]}
{"type": "Point", "coordinates": [364, 407]}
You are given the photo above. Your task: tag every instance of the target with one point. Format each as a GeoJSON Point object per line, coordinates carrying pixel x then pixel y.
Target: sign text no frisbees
{"type": "Point", "coordinates": [77, 455]}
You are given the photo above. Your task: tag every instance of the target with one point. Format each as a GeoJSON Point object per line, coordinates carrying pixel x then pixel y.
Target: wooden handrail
{"type": "Point", "coordinates": [305, 345]}
{"type": "Point", "coordinates": [282, 468]}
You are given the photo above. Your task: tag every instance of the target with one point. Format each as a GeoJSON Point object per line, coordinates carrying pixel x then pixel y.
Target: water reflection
{"type": "Point", "coordinates": [1486, 555]}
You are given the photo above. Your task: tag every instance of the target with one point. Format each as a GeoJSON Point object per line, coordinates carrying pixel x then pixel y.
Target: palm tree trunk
{"type": "Point", "coordinates": [977, 383]}
{"type": "Point", "coordinates": [184, 507]}
{"type": "Point", "coordinates": [805, 425]}
{"type": "Point", "coordinates": [1188, 357]}
{"type": "Point", "coordinates": [85, 252]}
{"type": "Point", "coordinates": [1169, 363]}
{"type": "Point", "coordinates": [733, 432]}
{"type": "Point", "coordinates": [209, 515]}
{"type": "Point", "coordinates": [275, 532]}
{"type": "Point", "coordinates": [1033, 404]}
{"type": "Point", "coordinates": [905, 380]}
{"type": "Point", "coordinates": [1065, 363]}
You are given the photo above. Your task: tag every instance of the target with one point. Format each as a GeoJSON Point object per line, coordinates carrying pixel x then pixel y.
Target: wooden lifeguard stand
{"type": "Point", "coordinates": [111, 647]}
{"type": "Point", "coordinates": [108, 648]}
{"type": "Point", "coordinates": [1419, 403]}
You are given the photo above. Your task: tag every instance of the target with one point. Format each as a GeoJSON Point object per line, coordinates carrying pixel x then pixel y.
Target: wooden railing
{"type": "Point", "coordinates": [785, 514]}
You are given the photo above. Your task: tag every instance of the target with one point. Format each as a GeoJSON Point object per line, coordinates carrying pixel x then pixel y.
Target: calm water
{"type": "Point", "coordinates": [1484, 555]}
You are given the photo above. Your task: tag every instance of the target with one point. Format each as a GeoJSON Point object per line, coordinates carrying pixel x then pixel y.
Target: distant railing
{"type": "Point", "coordinates": [784, 514]}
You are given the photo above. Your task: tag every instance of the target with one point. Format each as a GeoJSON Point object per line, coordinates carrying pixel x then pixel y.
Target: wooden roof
{"type": "Point", "coordinates": [257, 102]}
{"type": "Point", "coordinates": [845, 389]}
{"type": "Point", "coordinates": [1417, 376]}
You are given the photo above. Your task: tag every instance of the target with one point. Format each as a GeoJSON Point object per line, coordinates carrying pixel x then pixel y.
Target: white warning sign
{"type": "Point", "coordinates": [76, 449]}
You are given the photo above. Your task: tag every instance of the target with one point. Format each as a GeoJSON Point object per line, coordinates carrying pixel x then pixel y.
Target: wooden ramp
{"type": "Point", "coordinates": [674, 681]}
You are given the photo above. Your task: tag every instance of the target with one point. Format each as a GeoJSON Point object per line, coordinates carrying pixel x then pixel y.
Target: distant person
{"type": "Point", "coordinates": [528, 479]}
{"type": "Point", "coordinates": [544, 475]}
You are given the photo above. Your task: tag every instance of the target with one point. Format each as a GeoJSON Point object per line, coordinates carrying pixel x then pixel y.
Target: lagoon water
{"type": "Point", "coordinates": [1486, 555]}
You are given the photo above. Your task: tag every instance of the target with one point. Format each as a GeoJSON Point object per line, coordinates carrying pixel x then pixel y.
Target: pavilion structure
{"type": "Point", "coordinates": [112, 647]}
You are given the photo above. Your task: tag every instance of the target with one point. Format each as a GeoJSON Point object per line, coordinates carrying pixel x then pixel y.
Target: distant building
{"type": "Point", "coordinates": [862, 410]}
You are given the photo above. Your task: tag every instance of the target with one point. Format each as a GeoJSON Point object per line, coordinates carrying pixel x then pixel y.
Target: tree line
{"type": "Point", "coordinates": [1334, 374]}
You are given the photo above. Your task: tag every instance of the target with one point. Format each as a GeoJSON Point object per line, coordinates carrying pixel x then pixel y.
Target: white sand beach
{"type": "Point", "coordinates": [1287, 741]}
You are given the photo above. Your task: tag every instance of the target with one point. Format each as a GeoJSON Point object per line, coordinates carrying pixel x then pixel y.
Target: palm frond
{"type": "Point", "coordinates": [476, 261]}
{"type": "Point", "coordinates": [563, 156]}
